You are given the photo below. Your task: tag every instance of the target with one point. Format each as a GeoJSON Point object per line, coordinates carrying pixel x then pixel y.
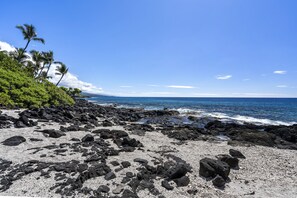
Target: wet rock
{"type": "Point", "coordinates": [211, 168]}
{"type": "Point", "coordinates": [236, 153]}
{"type": "Point", "coordinates": [14, 141]}
{"type": "Point", "coordinates": [87, 138]}
{"type": "Point", "coordinates": [218, 181]}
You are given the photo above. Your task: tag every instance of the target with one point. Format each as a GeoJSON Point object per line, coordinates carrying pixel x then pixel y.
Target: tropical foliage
{"type": "Point", "coordinates": [24, 76]}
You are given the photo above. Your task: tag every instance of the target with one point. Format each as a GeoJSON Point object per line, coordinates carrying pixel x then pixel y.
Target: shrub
{"type": "Point", "coordinates": [18, 88]}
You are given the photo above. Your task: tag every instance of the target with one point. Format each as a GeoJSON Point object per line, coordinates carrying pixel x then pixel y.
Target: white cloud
{"type": "Point", "coordinates": [125, 86]}
{"type": "Point", "coordinates": [6, 47]}
{"type": "Point", "coordinates": [280, 72]}
{"type": "Point", "coordinates": [180, 87]}
{"type": "Point", "coordinates": [281, 86]}
{"type": "Point", "coordinates": [205, 94]}
{"type": "Point", "coordinates": [220, 77]}
{"type": "Point", "coordinates": [69, 80]}
{"type": "Point", "coordinates": [153, 85]}
{"type": "Point", "coordinates": [246, 79]}
{"type": "Point", "coordinates": [257, 95]}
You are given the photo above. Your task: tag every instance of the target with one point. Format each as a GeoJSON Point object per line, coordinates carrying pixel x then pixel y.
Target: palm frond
{"type": "Point", "coordinates": [39, 39]}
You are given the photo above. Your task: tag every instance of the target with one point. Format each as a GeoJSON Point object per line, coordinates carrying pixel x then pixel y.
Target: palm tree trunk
{"type": "Point", "coordinates": [49, 66]}
{"type": "Point", "coordinates": [40, 71]}
{"type": "Point", "coordinates": [23, 51]}
{"type": "Point", "coordinates": [60, 80]}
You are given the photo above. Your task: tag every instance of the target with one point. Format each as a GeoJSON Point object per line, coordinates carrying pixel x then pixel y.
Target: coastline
{"type": "Point", "coordinates": [269, 170]}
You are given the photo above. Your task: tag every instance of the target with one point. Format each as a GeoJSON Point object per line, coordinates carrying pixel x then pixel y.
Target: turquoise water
{"type": "Point", "coordinates": [274, 111]}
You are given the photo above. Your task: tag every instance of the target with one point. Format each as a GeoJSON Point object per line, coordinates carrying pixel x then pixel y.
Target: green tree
{"type": "Point", "coordinates": [38, 59]}
{"type": "Point", "coordinates": [18, 55]}
{"type": "Point", "coordinates": [29, 33]}
{"type": "Point", "coordinates": [61, 70]}
{"type": "Point", "coordinates": [50, 60]}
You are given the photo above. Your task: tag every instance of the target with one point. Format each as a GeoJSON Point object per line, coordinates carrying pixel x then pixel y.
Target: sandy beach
{"type": "Point", "coordinates": [266, 171]}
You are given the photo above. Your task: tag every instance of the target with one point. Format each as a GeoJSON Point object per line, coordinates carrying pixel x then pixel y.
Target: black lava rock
{"type": "Point", "coordinates": [115, 163]}
{"type": "Point", "coordinates": [104, 189]}
{"type": "Point", "coordinates": [211, 168]}
{"type": "Point", "coordinates": [126, 164]}
{"type": "Point", "coordinates": [166, 185]}
{"type": "Point", "coordinates": [141, 161]}
{"type": "Point", "coordinates": [110, 176]}
{"type": "Point", "coordinates": [87, 138]}
{"type": "Point", "coordinates": [236, 153]}
{"type": "Point", "coordinates": [178, 171]}
{"type": "Point", "coordinates": [218, 181]}
{"type": "Point", "coordinates": [14, 141]}
{"type": "Point", "coordinates": [183, 181]}
{"type": "Point", "coordinates": [231, 161]}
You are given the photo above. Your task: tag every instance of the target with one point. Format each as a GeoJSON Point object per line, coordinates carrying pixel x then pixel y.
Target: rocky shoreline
{"type": "Point", "coordinates": [88, 150]}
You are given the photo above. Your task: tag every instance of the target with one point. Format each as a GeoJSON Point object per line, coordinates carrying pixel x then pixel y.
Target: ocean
{"type": "Point", "coordinates": [260, 111]}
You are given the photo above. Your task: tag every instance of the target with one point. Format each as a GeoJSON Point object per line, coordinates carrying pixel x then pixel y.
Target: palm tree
{"type": "Point", "coordinates": [50, 60]}
{"type": "Point", "coordinates": [38, 59]}
{"type": "Point", "coordinates": [18, 55]}
{"type": "Point", "coordinates": [29, 33]}
{"type": "Point", "coordinates": [61, 70]}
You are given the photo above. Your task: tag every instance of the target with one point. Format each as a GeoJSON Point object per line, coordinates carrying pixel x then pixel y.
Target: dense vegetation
{"type": "Point", "coordinates": [24, 80]}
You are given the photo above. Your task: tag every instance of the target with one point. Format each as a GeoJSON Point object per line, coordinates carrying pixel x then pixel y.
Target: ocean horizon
{"type": "Point", "coordinates": [260, 111]}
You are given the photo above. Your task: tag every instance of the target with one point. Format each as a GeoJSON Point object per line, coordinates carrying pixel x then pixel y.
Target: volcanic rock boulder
{"type": "Point", "coordinates": [14, 141]}
{"type": "Point", "coordinates": [218, 181]}
{"type": "Point", "coordinates": [231, 161]}
{"type": "Point", "coordinates": [209, 168]}
{"type": "Point", "coordinates": [236, 153]}
{"type": "Point", "coordinates": [53, 133]}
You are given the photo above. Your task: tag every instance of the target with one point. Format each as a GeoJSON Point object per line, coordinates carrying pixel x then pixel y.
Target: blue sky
{"type": "Point", "coordinates": [233, 48]}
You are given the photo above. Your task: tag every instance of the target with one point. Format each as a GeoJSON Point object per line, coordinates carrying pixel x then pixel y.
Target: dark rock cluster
{"type": "Point", "coordinates": [219, 169]}
{"type": "Point", "coordinates": [95, 148]}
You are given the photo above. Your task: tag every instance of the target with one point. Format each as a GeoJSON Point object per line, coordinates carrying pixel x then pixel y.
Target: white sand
{"type": "Point", "coordinates": [266, 172]}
